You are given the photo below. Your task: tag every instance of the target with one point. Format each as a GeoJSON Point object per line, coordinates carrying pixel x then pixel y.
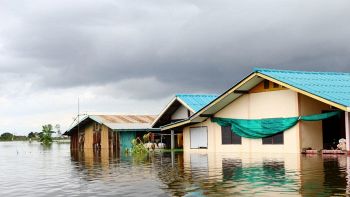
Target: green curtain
{"type": "Point", "coordinates": [259, 128]}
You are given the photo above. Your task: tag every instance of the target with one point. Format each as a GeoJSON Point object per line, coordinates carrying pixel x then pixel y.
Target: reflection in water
{"type": "Point", "coordinates": [36, 171]}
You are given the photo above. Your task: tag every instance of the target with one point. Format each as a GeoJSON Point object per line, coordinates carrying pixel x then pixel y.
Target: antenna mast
{"type": "Point", "coordinates": [78, 123]}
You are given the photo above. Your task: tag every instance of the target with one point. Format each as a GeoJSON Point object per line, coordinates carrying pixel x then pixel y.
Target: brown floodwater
{"type": "Point", "coordinates": [28, 169]}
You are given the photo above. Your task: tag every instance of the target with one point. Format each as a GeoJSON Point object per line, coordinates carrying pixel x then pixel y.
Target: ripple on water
{"type": "Point", "coordinates": [28, 169]}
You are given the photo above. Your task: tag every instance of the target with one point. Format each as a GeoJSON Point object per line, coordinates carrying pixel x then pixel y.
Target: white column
{"type": "Point", "coordinates": [347, 130]}
{"type": "Point", "coordinates": [172, 139]}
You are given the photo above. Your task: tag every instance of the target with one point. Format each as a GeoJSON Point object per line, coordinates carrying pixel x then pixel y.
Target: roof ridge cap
{"type": "Point", "coordinates": [257, 69]}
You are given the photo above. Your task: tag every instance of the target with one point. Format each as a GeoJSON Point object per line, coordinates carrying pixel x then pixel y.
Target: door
{"type": "Point", "coordinates": [125, 139]}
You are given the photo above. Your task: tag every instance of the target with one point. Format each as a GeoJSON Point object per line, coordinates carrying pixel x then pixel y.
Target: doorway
{"type": "Point", "coordinates": [333, 129]}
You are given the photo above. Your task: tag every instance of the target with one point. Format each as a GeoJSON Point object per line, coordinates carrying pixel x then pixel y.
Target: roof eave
{"type": "Point", "coordinates": [175, 124]}
{"type": "Point", "coordinates": [209, 105]}
{"type": "Point", "coordinates": [163, 111]}
{"type": "Point", "coordinates": [141, 129]}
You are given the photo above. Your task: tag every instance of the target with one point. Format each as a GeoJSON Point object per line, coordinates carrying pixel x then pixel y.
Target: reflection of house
{"type": "Point", "coordinates": [181, 107]}
{"type": "Point", "coordinates": [265, 174]}
{"type": "Point", "coordinates": [272, 102]}
{"type": "Point", "coordinates": [113, 132]}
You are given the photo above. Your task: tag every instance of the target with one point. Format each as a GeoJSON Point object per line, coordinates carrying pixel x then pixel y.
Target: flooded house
{"type": "Point", "coordinates": [181, 107]}
{"type": "Point", "coordinates": [113, 132]}
{"type": "Point", "coordinates": [272, 111]}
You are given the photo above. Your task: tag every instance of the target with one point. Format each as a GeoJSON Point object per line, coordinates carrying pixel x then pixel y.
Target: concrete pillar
{"type": "Point", "coordinates": [347, 130]}
{"type": "Point", "coordinates": [172, 137]}
{"type": "Point", "coordinates": [172, 158]}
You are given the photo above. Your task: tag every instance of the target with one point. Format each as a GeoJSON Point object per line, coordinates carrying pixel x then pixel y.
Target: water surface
{"type": "Point", "coordinates": [28, 169]}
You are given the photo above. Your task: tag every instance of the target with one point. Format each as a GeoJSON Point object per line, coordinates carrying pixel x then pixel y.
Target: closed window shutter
{"type": "Point", "coordinates": [199, 137]}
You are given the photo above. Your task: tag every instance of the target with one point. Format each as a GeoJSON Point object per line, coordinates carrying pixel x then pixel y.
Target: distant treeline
{"type": "Point", "coordinates": [31, 136]}
{"type": "Point", "coordinates": [11, 137]}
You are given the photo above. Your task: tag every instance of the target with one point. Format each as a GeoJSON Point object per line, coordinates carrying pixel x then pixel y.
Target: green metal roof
{"type": "Point", "coordinates": [333, 86]}
{"type": "Point", "coordinates": [196, 101]}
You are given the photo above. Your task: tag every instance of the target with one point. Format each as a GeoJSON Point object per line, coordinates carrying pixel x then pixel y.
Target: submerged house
{"type": "Point", "coordinates": [113, 132]}
{"type": "Point", "coordinates": [181, 107]}
{"type": "Point", "coordinates": [274, 111]}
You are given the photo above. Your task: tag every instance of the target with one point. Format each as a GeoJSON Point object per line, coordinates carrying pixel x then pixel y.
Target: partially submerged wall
{"type": "Point", "coordinates": [272, 104]}
{"type": "Point", "coordinates": [88, 136]}
{"type": "Point", "coordinates": [311, 131]}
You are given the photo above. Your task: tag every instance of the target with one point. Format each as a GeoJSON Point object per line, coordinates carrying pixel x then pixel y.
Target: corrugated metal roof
{"type": "Point", "coordinates": [196, 101]}
{"type": "Point", "coordinates": [125, 118]}
{"type": "Point", "coordinates": [333, 86]}
{"type": "Point", "coordinates": [122, 122]}
{"type": "Point", "coordinates": [125, 122]}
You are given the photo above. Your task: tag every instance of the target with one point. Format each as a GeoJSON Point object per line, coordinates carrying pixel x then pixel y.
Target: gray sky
{"type": "Point", "coordinates": [131, 57]}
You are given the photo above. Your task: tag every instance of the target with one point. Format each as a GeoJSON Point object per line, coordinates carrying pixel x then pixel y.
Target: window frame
{"type": "Point", "coordinates": [273, 139]}
{"type": "Point", "coordinates": [232, 134]}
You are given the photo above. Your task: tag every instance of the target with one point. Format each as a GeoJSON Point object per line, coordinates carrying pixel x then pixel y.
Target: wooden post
{"type": "Point", "coordinates": [347, 130]}
{"type": "Point", "coordinates": [172, 138]}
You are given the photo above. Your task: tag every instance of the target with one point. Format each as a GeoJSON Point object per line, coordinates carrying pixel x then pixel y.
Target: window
{"type": "Point", "coordinates": [228, 137]}
{"type": "Point", "coordinates": [199, 137]}
{"type": "Point", "coordinates": [274, 139]}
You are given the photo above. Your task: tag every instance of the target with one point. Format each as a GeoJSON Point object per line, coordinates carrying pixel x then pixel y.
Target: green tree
{"type": "Point", "coordinates": [31, 135]}
{"type": "Point", "coordinates": [46, 135]}
{"type": "Point", "coordinates": [6, 136]}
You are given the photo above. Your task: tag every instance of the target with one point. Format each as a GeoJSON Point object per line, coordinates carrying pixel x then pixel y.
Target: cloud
{"type": "Point", "coordinates": [133, 52]}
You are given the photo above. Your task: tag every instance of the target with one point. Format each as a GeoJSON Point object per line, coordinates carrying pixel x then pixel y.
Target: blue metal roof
{"type": "Point", "coordinates": [333, 86]}
{"type": "Point", "coordinates": [196, 101]}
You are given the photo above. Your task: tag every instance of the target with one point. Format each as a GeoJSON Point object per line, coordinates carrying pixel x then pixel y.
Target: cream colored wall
{"type": "Point", "coordinates": [283, 103]}
{"type": "Point", "coordinates": [88, 136]}
{"type": "Point", "coordinates": [311, 132]}
{"type": "Point", "coordinates": [104, 137]}
{"type": "Point", "coordinates": [180, 113]}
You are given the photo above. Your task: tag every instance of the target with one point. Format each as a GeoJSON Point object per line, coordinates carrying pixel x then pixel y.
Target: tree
{"type": "Point", "coordinates": [6, 136]}
{"type": "Point", "coordinates": [45, 137]}
{"type": "Point", "coordinates": [31, 135]}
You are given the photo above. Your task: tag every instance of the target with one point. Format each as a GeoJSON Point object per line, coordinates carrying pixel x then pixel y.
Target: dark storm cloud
{"type": "Point", "coordinates": [200, 46]}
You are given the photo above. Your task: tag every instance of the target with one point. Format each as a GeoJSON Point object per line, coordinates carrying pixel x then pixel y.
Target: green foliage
{"type": "Point", "coordinates": [138, 147]}
{"type": "Point", "coordinates": [32, 135]}
{"type": "Point", "coordinates": [6, 137]}
{"type": "Point", "coordinates": [45, 136]}
{"type": "Point", "coordinates": [146, 137]}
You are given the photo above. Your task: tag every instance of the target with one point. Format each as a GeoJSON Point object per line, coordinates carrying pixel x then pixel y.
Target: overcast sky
{"type": "Point", "coordinates": [131, 57]}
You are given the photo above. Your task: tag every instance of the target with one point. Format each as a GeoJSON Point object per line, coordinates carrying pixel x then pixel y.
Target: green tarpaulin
{"type": "Point", "coordinates": [259, 128]}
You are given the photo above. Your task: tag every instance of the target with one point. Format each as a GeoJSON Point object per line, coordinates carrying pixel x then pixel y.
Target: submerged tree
{"type": "Point", "coordinates": [138, 146]}
{"type": "Point", "coordinates": [45, 136]}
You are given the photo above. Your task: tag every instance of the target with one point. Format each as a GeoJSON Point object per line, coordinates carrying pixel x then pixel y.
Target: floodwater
{"type": "Point", "coordinates": [28, 169]}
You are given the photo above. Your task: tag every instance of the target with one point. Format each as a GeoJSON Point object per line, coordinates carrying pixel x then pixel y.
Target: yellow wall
{"type": "Point", "coordinates": [88, 136]}
{"type": "Point", "coordinates": [104, 137]}
{"type": "Point", "coordinates": [311, 132]}
{"type": "Point", "coordinates": [283, 103]}
{"type": "Point", "coordinates": [88, 129]}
